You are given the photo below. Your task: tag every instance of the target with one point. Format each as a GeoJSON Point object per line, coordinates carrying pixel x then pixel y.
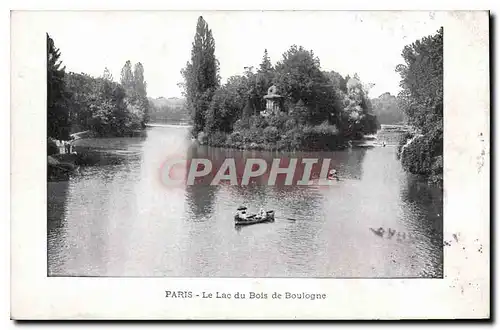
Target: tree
{"type": "Point", "coordinates": [254, 86]}
{"type": "Point", "coordinates": [110, 116]}
{"type": "Point", "coordinates": [338, 82]}
{"type": "Point", "coordinates": [127, 77]}
{"type": "Point", "coordinates": [227, 105]}
{"type": "Point", "coordinates": [422, 80]}
{"type": "Point", "coordinates": [138, 78]}
{"type": "Point", "coordinates": [101, 105]}
{"type": "Point", "coordinates": [58, 123]}
{"type": "Point", "coordinates": [107, 74]}
{"type": "Point", "coordinates": [248, 110]}
{"type": "Point", "coordinates": [97, 104]}
{"type": "Point", "coordinates": [265, 65]}
{"type": "Point", "coordinates": [387, 109]}
{"type": "Point", "coordinates": [300, 112]}
{"type": "Point", "coordinates": [201, 75]}
{"type": "Point", "coordinates": [299, 77]}
{"type": "Point", "coordinates": [262, 81]}
{"type": "Point", "coordinates": [82, 92]}
{"type": "Point", "coordinates": [357, 115]}
{"type": "Point", "coordinates": [421, 99]}
{"type": "Point", "coordinates": [141, 96]}
{"type": "Point", "coordinates": [136, 100]}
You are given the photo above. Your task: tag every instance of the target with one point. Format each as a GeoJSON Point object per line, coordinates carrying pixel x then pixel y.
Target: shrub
{"type": "Point", "coordinates": [278, 120]}
{"type": "Point", "coordinates": [290, 124]}
{"type": "Point", "coordinates": [403, 139]}
{"type": "Point", "coordinates": [241, 124]}
{"type": "Point", "coordinates": [416, 156]}
{"type": "Point", "coordinates": [324, 136]}
{"type": "Point", "coordinates": [293, 138]}
{"type": "Point", "coordinates": [285, 143]}
{"type": "Point", "coordinates": [258, 122]}
{"type": "Point", "coordinates": [217, 139]}
{"type": "Point", "coordinates": [202, 137]}
{"type": "Point", "coordinates": [326, 129]}
{"type": "Point", "coordinates": [235, 137]}
{"type": "Point", "coordinates": [235, 140]}
{"type": "Point", "coordinates": [253, 135]}
{"type": "Point", "coordinates": [52, 148]}
{"type": "Point", "coordinates": [301, 112]}
{"type": "Point", "coordinates": [271, 134]}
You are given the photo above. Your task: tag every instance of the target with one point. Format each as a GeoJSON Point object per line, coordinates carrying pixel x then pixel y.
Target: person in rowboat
{"type": "Point", "coordinates": [332, 175]}
{"type": "Point", "coordinates": [242, 213]}
{"type": "Point", "coordinates": [262, 213]}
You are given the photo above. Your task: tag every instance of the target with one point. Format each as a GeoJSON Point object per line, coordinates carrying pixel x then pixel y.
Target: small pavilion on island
{"type": "Point", "coordinates": [273, 101]}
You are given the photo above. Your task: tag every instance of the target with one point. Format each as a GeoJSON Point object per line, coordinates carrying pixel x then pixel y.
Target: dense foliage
{"type": "Point", "coordinates": [320, 110]}
{"type": "Point", "coordinates": [102, 106]}
{"type": "Point", "coordinates": [387, 110]}
{"type": "Point", "coordinates": [201, 75]}
{"type": "Point", "coordinates": [58, 122]}
{"type": "Point", "coordinates": [421, 99]}
{"type": "Point", "coordinates": [78, 102]}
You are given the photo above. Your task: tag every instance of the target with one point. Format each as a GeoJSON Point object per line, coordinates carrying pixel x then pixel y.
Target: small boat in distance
{"type": "Point", "coordinates": [241, 218]}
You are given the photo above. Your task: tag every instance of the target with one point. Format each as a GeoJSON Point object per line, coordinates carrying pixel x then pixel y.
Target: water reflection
{"type": "Point", "coordinates": [426, 203]}
{"type": "Point", "coordinates": [122, 220]}
{"type": "Point", "coordinates": [56, 206]}
{"type": "Point", "coordinates": [201, 197]}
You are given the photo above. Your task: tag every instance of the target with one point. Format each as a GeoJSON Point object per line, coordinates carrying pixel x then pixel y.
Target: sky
{"type": "Point", "coordinates": [366, 43]}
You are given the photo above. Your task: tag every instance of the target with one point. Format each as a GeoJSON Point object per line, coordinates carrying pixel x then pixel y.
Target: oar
{"type": "Point", "coordinates": [290, 219]}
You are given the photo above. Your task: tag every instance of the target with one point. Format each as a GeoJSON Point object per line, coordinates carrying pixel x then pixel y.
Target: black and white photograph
{"type": "Point", "coordinates": [219, 164]}
{"type": "Point", "coordinates": [218, 148]}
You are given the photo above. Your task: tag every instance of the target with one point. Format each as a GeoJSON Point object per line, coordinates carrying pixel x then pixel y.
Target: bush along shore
{"type": "Point", "coordinates": [276, 133]}
{"type": "Point", "coordinates": [420, 154]}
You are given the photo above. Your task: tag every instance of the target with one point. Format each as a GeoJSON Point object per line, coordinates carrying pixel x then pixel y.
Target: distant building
{"type": "Point", "coordinates": [273, 101]}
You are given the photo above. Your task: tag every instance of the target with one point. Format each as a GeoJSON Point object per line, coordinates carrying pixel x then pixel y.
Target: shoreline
{"type": "Point", "coordinates": [263, 147]}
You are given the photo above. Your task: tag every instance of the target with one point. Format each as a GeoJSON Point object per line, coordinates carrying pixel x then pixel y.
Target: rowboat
{"type": "Point", "coordinates": [253, 219]}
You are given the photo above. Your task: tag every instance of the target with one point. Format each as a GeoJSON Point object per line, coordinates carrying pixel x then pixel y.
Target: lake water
{"type": "Point", "coordinates": [121, 220]}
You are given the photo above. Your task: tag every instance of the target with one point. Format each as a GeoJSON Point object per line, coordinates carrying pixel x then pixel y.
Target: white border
{"type": "Point", "coordinates": [466, 91]}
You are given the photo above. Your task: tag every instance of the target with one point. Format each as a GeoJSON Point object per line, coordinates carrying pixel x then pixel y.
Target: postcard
{"type": "Point", "coordinates": [250, 165]}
